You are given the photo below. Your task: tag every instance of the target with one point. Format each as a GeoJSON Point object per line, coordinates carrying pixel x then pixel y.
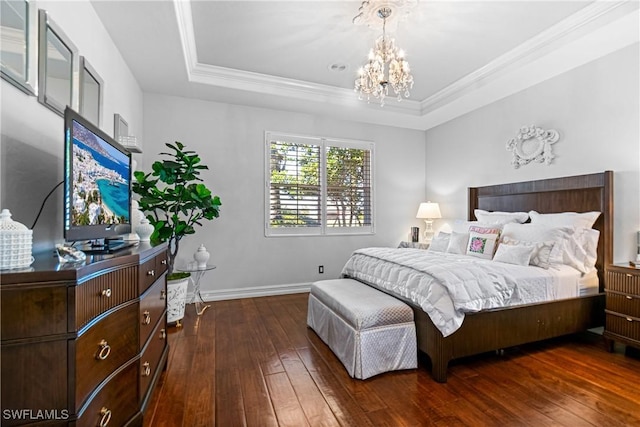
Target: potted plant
{"type": "Point", "coordinates": [174, 200]}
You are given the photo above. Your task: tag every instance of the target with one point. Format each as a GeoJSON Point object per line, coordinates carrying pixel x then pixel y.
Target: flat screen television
{"type": "Point", "coordinates": [97, 187]}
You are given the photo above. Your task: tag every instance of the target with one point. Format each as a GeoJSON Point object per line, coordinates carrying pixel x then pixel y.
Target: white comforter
{"type": "Point", "coordinates": [444, 285]}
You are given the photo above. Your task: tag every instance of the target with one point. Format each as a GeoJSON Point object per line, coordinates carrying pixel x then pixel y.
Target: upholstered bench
{"type": "Point", "coordinates": [368, 330]}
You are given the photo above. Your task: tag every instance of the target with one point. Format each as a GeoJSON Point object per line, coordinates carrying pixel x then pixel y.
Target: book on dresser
{"type": "Point", "coordinates": [85, 344]}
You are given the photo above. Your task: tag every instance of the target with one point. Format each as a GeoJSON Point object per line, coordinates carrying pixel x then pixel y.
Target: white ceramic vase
{"type": "Point", "coordinates": [144, 230]}
{"type": "Point", "coordinates": [201, 256]}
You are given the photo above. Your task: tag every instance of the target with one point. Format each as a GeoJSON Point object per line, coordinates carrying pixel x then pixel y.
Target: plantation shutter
{"type": "Point", "coordinates": [348, 199]}
{"type": "Point", "coordinates": [317, 186]}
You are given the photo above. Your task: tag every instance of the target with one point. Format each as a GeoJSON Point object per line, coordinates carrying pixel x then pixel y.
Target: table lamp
{"type": "Point", "coordinates": [428, 211]}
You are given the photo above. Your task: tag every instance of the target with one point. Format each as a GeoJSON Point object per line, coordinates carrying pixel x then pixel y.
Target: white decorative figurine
{"type": "Point", "coordinates": [201, 256]}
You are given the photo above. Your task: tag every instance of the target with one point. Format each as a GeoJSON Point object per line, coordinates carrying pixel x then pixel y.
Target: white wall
{"type": "Point", "coordinates": [230, 140]}
{"type": "Point", "coordinates": [32, 135]}
{"type": "Point", "coordinates": [595, 108]}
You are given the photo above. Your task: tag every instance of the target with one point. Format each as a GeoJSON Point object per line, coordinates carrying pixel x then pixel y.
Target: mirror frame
{"type": "Point", "coordinates": [48, 26]}
{"type": "Point", "coordinates": [86, 70]}
{"type": "Point", "coordinates": [28, 84]}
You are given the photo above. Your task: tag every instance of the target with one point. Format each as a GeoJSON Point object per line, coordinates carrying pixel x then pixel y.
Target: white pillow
{"type": "Point", "coordinates": [482, 241]}
{"type": "Point", "coordinates": [581, 249]}
{"type": "Point", "coordinates": [498, 217]}
{"type": "Point", "coordinates": [440, 242]}
{"type": "Point", "coordinates": [541, 250]}
{"type": "Point", "coordinates": [458, 243]}
{"type": "Point", "coordinates": [574, 247]}
{"type": "Point", "coordinates": [514, 254]}
{"type": "Point", "coordinates": [565, 219]}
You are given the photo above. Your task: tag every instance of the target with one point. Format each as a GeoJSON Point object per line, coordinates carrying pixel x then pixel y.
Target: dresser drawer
{"type": "Point", "coordinates": [152, 306]}
{"type": "Point", "coordinates": [102, 293]}
{"type": "Point", "coordinates": [25, 367]}
{"type": "Point", "coordinates": [624, 304]}
{"type": "Point", "coordinates": [33, 311]}
{"type": "Point", "coordinates": [104, 347]}
{"type": "Point", "coordinates": [151, 357]}
{"type": "Point", "coordinates": [162, 263]}
{"type": "Point", "coordinates": [623, 281]}
{"type": "Point", "coordinates": [151, 270]}
{"type": "Point", "coordinates": [624, 326]}
{"type": "Point", "coordinates": [115, 403]}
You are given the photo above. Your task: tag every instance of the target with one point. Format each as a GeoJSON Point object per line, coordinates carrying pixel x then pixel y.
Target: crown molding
{"type": "Point", "coordinates": [587, 20]}
{"type": "Point", "coordinates": [552, 38]}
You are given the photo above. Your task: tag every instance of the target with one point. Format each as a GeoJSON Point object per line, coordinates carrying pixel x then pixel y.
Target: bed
{"type": "Point", "coordinates": [499, 328]}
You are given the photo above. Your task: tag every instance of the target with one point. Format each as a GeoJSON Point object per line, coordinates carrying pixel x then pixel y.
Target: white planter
{"type": "Point", "coordinates": [176, 299]}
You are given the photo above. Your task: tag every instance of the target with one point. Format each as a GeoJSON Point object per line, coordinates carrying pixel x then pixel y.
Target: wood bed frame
{"type": "Point", "coordinates": [507, 327]}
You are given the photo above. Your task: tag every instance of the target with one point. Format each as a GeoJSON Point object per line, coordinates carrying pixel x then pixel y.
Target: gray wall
{"type": "Point", "coordinates": [230, 140]}
{"type": "Point", "coordinates": [595, 110]}
{"type": "Point", "coordinates": [31, 145]}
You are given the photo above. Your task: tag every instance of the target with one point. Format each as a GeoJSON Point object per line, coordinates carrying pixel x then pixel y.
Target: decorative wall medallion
{"type": "Point", "coordinates": [532, 144]}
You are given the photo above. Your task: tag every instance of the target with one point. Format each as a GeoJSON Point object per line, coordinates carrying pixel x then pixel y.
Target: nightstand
{"type": "Point", "coordinates": [622, 311]}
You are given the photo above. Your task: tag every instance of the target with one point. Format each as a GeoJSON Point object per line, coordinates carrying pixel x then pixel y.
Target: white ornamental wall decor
{"type": "Point", "coordinates": [532, 144]}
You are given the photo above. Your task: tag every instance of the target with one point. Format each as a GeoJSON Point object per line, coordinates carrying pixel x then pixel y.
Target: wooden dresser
{"type": "Point", "coordinates": [83, 345]}
{"type": "Point", "coordinates": [622, 306]}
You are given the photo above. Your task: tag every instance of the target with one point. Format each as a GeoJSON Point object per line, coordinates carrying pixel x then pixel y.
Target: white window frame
{"type": "Point", "coordinates": [323, 229]}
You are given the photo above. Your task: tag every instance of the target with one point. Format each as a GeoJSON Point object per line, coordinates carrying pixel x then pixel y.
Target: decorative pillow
{"type": "Point", "coordinates": [440, 242]}
{"type": "Point", "coordinates": [514, 254]}
{"type": "Point", "coordinates": [458, 243]}
{"type": "Point", "coordinates": [482, 241]}
{"type": "Point", "coordinates": [541, 251]}
{"type": "Point", "coordinates": [461, 226]}
{"type": "Point", "coordinates": [565, 219]}
{"type": "Point", "coordinates": [502, 218]}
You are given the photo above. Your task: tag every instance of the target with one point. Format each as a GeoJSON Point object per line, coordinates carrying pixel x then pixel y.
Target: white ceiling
{"type": "Point", "coordinates": [277, 54]}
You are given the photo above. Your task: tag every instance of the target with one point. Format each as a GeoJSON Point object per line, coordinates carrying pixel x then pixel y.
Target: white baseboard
{"type": "Point", "coordinates": [257, 291]}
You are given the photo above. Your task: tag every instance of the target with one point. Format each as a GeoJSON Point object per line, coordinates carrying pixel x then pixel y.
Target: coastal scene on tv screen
{"type": "Point", "coordinates": [100, 187]}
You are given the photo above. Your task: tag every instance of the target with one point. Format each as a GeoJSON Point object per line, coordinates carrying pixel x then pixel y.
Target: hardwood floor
{"type": "Point", "coordinates": [254, 362]}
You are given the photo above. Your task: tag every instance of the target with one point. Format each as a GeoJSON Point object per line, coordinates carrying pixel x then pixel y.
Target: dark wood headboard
{"type": "Point", "coordinates": [582, 193]}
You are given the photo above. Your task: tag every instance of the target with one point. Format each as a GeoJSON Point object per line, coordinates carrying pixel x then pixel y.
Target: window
{"type": "Point", "coordinates": [318, 186]}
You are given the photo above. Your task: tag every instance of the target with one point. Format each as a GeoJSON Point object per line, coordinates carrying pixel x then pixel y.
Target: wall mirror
{"type": "Point", "coordinates": [58, 64]}
{"type": "Point", "coordinates": [120, 127]}
{"type": "Point", "coordinates": [91, 86]}
{"type": "Point", "coordinates": [19, 44]}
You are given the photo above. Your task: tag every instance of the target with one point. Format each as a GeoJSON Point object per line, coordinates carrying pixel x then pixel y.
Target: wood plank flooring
{"type": "Point", "coordinates": [254, 362]}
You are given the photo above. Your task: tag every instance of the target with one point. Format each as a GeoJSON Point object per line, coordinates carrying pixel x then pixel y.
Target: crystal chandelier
{"type": "Point", "coordinates": [385, 67]}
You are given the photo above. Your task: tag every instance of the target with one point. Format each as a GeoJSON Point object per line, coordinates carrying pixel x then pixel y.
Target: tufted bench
{"type": "Point", "coordinates": [368, 330]}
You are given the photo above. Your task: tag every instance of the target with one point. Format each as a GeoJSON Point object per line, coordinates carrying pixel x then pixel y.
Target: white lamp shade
{"type": "Point", "coordinates": [428, 210]}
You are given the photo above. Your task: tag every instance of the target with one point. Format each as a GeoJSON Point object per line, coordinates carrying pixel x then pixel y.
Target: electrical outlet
{"type": "Point", "coordinates": [321, 269]}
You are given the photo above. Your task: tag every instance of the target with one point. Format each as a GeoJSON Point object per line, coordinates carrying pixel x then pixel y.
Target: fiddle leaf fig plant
{"type": "Point", "coordinates": [174, 198]}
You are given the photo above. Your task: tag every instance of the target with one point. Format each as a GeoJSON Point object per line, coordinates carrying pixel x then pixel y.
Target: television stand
{"type": "Point", "coordinates": [106, 246]}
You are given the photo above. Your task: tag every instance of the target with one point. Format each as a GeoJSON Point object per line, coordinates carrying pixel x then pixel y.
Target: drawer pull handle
{"type": "Point", "coordinates": [146, 317]}
{"type": "Point", "coordinates": [106, 417]}
{"type": "Point", "coordinates": [629, 319]}
{"type": "Point", "coordinates": [151, 273]}
{"type": "Point", "coordinates": [163, 334]}
{"type": "Point", "coordinates": [163, 262]}
{"type": "Point", "coordinates": [163, 294]}
{"type": "Point", "coordinates": [629, 275]}
{"type": "Point", "coordinates": [105, 350]}
{"type": "Point", "coordinates": [628, 296]}
{"type": "Point", "coordinates": [106, 293]}
{"type": "Point", "coordinates": [146, 369]}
